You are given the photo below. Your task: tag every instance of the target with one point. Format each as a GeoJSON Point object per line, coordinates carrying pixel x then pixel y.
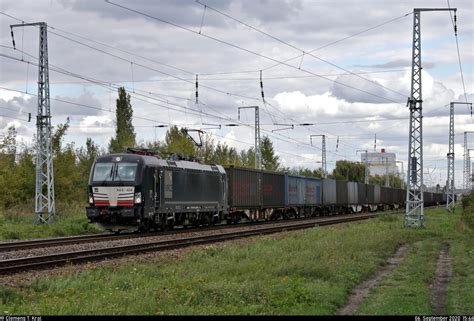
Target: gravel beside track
{"type": "Point", "coordinates": [136, 245]}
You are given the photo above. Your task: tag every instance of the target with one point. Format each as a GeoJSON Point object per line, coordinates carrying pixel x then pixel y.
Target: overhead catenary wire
{"type": "Point", "coordinates": [459, 55]}
{"type": "Point", "coordinates": [340, 40]}
{"type": "Point", "coordinates": [106, 85]}
{"type": "Point", "coordinates": [248, 50]}
{"type": "Point", "coordinates": [300, 50]}
{"type": "Point", "coordinates": [100, 50]}
{"type": "Point", "coordinates": [237, 79]}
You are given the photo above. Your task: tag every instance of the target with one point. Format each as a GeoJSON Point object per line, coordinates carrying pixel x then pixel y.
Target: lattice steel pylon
{"type": "Point", "coordinates": [466, 179]}
{"type": "Point", "coordinates": [414, 216]}
{"type": "Point", "coordinates": [258, 152]}
{"type": "Point", "coordinates": [44, 192]}
{"type": "Point", "coordinates": [450, 155]}
{"type": "Point", "coordinates": [450, 179]}
{"type": "Point", "coordinates": [323, 150]}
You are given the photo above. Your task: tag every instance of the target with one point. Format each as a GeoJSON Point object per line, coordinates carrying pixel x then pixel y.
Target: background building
{"type": "Point", "coordinates": [378, 162]}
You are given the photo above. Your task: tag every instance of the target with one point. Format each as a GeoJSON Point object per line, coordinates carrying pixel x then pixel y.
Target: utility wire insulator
{"type": "Point", "coordinates": [261, 87]}
{"type": "Point", "coordinates": [197, 94]}
{"type": "Point", "coordinates": [13, 38]}
{"type": "Point", "coordinates": [455, 25]}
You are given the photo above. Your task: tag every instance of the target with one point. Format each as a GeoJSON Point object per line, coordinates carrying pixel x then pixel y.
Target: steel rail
{"type": "Point", "coordinates": [62, 241]}
{"type": "Point", "coordinates": [28, 263]}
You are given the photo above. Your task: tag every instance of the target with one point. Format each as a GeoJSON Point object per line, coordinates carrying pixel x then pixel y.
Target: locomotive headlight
{"type": "Point", "coordinates": [138, 198]}
{"type": "Point", "coordinates": [91, 199]}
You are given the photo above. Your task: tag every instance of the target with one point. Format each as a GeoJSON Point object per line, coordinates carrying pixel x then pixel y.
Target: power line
{"type": "Point", "coordinates": [16, 118]}
{"type": "Point", "coordinates": [105, 85]}
{"type": "Point", "coordinates": [181, 106]}
{"type": "Point", "coordinates": [457, 46]}
{"type": "Point", "coordinates": [232, 79]}
{"type": "Point", "coordinates": [142, 65]}
{"type": "Point", "coordinates": [247, 50]}
{"type": "Point", "coordinates": [340, 40]}
{"type": "Point", "coordinates": [299, 49]}
{"type": "Point", "coordinates": [171, 76]}
{"type": "Point", "coordinates": [105, 45]}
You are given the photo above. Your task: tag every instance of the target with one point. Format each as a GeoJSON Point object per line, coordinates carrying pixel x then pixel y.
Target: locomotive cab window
{"type": "Point", "coordinates": [124, 172]}
{"type": "Point", "coordinates": [103, 172]}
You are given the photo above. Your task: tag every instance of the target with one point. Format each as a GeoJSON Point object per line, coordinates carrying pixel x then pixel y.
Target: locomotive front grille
{"type": "Point", "coordinates": [112, 196]}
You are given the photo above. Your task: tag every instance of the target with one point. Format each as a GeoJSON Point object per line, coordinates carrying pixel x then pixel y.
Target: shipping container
{"type": "Point", "coordinates": [403, 196]}
{"type": "Point", "coordinates": [385, 195]}
{"type": "Point", "coordinates": [376, 194]}
{"type": "Point", "coordinates": [370, 194]}
{"type": "Point", "coordinates": [313, 191]}
{"type": "Point", "coordinates": [341, 193]}
{"type": "Point", "coordinates": [352, 191]}
{"type": "Point", "coordinates": [244, 187]}
{"type": "Point", "coordinates": [362, 193]}
{"type": "Point", "coordinates": [329, 192]}
{"type": "Point", "coordinates": [273, 189]}
{"type": "Point", "coordinates": [295, 189]}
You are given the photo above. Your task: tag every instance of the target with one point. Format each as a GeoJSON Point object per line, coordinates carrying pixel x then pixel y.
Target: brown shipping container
{"type": "Point", "coordinates": [244, 187]}
{"type": "Point", "coordinates": [273, 189]}
{"type": "Point", "coordinates": [385, 195]}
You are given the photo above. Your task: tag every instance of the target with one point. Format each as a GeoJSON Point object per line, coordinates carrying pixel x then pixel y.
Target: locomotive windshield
{"type": "Point", "coordinates": [108, 172]}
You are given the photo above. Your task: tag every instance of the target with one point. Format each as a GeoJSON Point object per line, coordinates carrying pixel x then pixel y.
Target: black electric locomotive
{"type": "Point", "coordinates": [139, 192]}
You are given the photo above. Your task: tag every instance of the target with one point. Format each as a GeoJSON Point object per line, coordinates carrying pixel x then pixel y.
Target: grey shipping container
{"type": "Point", "coordinates": [295, 190]}
{"type": "Point", "coordinates": [244, 187]}
{"type": "Point", "coordinates": [341, 193]}
{"type": "Point", "coordinates": [273, 189]}
{"type": "Point", "coordinates": [370, 194]}
{"type": "Point", "coordinates": [352, 193]}
{"type": "Point", "coordinates": [376, 194]}
{"type": "Point", "coordinates": [313, 191]}
{"type": "Point", "coordinates": [329, 191]}
{"type": "Point", "coordinates": [385, 195]}
{"type": "Point", "coordinates": [361, 193]}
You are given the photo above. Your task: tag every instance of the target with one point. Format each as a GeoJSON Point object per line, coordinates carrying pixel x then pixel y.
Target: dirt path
{"type": "Point", "coordinates": [362, 290]}
{"type": "Point", "coordinates": [440, 284]}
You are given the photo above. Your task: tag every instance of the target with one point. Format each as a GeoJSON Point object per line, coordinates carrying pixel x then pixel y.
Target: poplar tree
{"type": "Point", "coordinates": [124, 132]}
{"type": "Point", "coordinates": [270, 161]}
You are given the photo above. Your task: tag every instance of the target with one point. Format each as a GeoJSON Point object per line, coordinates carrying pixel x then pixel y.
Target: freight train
{"type": "Point", "coordinates": [139, 192]}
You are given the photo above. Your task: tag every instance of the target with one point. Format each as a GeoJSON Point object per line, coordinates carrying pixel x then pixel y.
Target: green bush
{"type": "Point", "coordinates": [468, 209]}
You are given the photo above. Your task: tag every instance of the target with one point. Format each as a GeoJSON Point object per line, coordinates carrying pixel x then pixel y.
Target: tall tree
{"type": "Point", "coordinates": [269, 159]}
{"type": "Point", "coordinates": [86, 157]}
{"type": "Point", "coordinates": [248, 157]}
{"type": "Point", "coordinates": [58, 136]}
{"type": "Point", "coordinates": [124, 132]}
{"type": "Point", "coordinates": [206, 152]}
{"type": "Point", "coordinates": [350, 171]}
{"type": "Point", "coordinates": [178, 142]}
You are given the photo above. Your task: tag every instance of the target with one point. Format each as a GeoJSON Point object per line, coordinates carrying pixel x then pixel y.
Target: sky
{"type": "Point", "coordinates": [343, 66]}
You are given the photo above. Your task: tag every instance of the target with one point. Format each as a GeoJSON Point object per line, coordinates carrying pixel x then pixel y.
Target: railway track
{"type": "Point", "coordinates": [61, 241]}
{"type": "Point", "coordinates": [28, 263]}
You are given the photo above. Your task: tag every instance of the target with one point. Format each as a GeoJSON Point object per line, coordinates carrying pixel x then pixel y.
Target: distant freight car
{"type": "Point", "coordinates": [303, 195]}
